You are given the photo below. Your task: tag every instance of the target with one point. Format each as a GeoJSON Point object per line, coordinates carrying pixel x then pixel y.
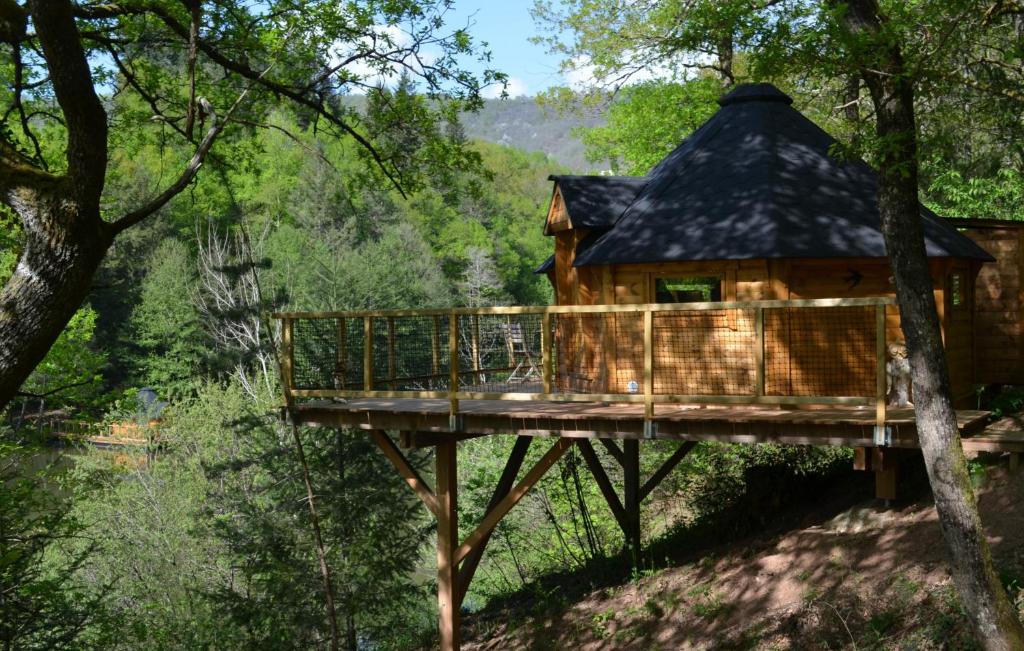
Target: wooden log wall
{"type": "Point", "coordinates": [999, 302]}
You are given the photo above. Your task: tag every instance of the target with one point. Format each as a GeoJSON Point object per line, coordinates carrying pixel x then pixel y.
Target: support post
{"type": "Point", "coordinates": [448, 618]}
{"type": "Point", "coordinates": [546, 349]}
{"type": "Point", "coordinates": [453, 371]}
{"type": "Point", "coordinates": [367, 353]}
{"type": "Point", "coordinates": [631, 492]}
{"type": "Point", "coordinates": [648, 375]}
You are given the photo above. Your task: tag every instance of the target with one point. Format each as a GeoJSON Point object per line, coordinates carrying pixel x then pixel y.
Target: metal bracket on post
{"type": "Point", "coordinates": [455, 422]}
{"type": "Point", "coordinates": [650, 429]}
{"type": "Point", "coordinates": [883, 436]}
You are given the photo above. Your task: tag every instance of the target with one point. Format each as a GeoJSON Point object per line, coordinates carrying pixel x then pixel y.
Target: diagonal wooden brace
{"type": "Point", "coordinates": [406, 470]}
{"type": "Point", "coordinates": [499, 511]}
{"type": "Point", "coordinates": [501, 489]}
{"type": "Point", "coordinates": [665, 469]}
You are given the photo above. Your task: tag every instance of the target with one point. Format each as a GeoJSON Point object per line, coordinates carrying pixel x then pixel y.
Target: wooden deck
{"type": "Point", "coordinates": [836, 425]}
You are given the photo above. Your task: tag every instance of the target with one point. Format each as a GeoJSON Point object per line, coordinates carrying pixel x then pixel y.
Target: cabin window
{"type": "Point", "coordinates": [956, 289]}
{"type": "Point", "coordinates": [688, 290]}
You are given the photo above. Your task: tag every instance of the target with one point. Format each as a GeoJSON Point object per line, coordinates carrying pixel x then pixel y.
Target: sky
{"type": "Point", "coordinates": [506, 25]}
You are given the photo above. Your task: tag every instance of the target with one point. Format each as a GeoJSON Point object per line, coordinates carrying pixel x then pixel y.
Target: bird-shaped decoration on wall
{"type": "Point", "coordinates": [853, 278]}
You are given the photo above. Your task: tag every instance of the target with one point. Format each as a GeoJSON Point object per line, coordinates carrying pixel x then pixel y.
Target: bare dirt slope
{"type": "Point", "coordinates": [867, 578]}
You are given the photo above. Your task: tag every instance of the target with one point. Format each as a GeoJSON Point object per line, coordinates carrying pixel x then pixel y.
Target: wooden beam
{"type": "Point", "coordinates": [501, 489]}
{"type": "Point", "coordinates": [406, 470]}
{"type": "Point", "coordinates": [505, 505]}
{"type": "Point", "coordinates": [448, 616]}
{"type": "Point", "coordinates": [614, 450]}
{"type": "Point", "coordinates": [411, 439]}
{"type": "Point", "coordinates": [667, 467]}
{"type": "Point", "coordinates": [601, 477]}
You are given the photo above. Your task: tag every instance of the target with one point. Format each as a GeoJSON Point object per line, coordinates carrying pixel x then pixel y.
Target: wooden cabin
{"type": "Point", "coordinates": [752, 206]}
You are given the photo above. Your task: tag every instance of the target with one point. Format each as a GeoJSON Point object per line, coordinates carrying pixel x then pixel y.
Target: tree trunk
{"type": "Point", "coordinates": [62, 250]}
{"type": "Point", "coordinates": [981, 593]}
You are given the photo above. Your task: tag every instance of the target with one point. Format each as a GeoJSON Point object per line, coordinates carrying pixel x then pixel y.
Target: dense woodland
{"type": "Point", "coordinates": [204, 540]}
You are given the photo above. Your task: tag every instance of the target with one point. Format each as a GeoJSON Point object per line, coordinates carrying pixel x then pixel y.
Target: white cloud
{"type": "Point", "coordinates": [581, 75]}
{"type": "Point", "coordinates": [368, 73]}
{"type": "Point", "coordinates": [515, 87]}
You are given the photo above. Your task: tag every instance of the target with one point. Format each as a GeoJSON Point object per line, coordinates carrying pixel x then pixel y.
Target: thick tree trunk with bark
{"type": "Point", "coordinates": [62, 250]}
{"type": "Point", "coordinates": [64, 237]}
{"type": "Point", "coordinates": [981, 593]}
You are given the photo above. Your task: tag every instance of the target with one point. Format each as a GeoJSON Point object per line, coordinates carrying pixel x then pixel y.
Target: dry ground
{"type": "Point", "coordinates": [868, 578]}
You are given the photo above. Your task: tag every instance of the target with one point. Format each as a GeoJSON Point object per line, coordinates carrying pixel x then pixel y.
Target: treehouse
{"type": "Point", "coordinates": [739, 292]}
{"type": "Point", "coordinates": [754, 205]}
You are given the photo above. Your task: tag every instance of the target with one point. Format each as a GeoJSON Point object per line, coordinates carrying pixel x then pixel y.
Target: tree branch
{"type": "Point", "coordinates": [84, 116]}
{"type": "Point", "coordinates": [189, 173]}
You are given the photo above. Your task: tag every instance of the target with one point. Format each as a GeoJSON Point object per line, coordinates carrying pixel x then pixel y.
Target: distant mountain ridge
{"type": "Point", "coordinates": [521, 122]}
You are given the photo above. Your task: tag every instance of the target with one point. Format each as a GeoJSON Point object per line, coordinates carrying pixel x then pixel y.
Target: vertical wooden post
{"type": "Point", "coordinates": [759, 351]}
{"type": "Point", "coordinates": [341, 366]}
{"type": "Point", "coordinates": [453, 371]}
{"type": "Point", "coordinates": [648, 374]}
{"type": "Point", "coordinates": [631, 495]}
{"type": "Point", "coordinates": [475, 348]}
{"type": "Point", "coordinates": [367, 353]}
{"type": "Point", "coordinates": [435, 347]}
{"type": "Point", "coordinates": [447, 541]}
{"type": "Point", "coordinates": [392, 354]}
{"type": "Point", "coordinates": [880, 374]}
{"type": "Point", "coordinates": [546, 350]}
{"type": "Point", "coordinates": [287, 358]}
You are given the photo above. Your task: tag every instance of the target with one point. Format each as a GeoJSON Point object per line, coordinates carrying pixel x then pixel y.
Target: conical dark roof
{"type": "Point", "coordinates": [757, 181]}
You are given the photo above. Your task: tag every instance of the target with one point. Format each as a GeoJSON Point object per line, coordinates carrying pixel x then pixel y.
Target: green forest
{"type": "Point", "coordinates": [335, 192]}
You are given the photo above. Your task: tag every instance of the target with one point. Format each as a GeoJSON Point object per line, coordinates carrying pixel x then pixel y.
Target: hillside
{"type": "Point", "coordinates": [523, 123]}
{"type": "Point", "coordinates": [846, 577]}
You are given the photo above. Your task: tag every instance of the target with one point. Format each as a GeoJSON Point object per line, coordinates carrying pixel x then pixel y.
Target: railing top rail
{"type": "Point", "coordinates": [595, 309]}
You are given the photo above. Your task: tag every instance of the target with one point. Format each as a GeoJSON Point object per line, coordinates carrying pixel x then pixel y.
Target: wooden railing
{"type": "Point", "coordinates": [791, 352]}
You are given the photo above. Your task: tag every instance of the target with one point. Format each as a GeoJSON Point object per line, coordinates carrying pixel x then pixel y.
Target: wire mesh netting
{"type": "Point", "coordinates": [501, 353]}
{"type": "Point", "coordinates": [328, 353]}
{"type": "Point", "coordinates": [820, 351]}
{"type": "Point", "coordinates": [807, 351]}
{"type": "Point", "coordinates": [710, 352]}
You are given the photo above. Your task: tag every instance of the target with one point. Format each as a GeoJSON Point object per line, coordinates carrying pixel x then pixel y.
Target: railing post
{"type": "Point", "coordinates": [453, 371]}
{"type": "Point", "coordinates": [759, 352]}
{"type": "Point", "coordinates": [367, 353]}
{"type": "Point", "coordinates": [435, 347]}
{"type": "Point", "coordinates": [649, 429]}
{"type": "Point", "coordinates": [341, 364]}
{"type": "Point", "coordinates": [882, 436]}
{"type": "Point", "coordinates": [287, 358]}
{"type": "Point", "coordinates": [392, 361]}
{"type": "Point", "coordinates": [546, 349]}
{"type": "Point", "coordinates": [475, 348]}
